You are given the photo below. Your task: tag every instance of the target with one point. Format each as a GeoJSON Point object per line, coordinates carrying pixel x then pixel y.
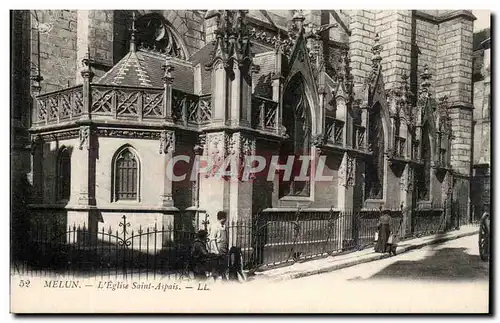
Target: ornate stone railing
{"type": "Point", "coordinates": [104, 100]}
{"type": "Point", "coordinates": [59, 106]}
{"type": "Point", "coordinates": [191, 109]}
{"type": "Point", "coordinates": [126, 102]}
{"type": "Point", "coordinates": [121, 102]}
{"type": "Point", "coordinates": [264, 114]}
{"type": "Point", "coordinates": [334, 131]}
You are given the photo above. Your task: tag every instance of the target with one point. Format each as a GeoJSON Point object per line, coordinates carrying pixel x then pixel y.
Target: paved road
{"type": "Point", "coordinates": [448, 277]}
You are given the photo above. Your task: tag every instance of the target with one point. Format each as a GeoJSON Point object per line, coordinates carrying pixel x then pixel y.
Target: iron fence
{"type": "Point", "coordinates": [284, 237]}
{"type": "Point", "coordinates": [270, 239]}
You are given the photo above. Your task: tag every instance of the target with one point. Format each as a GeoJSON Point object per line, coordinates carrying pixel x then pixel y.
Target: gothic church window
{"type": "Point", "coordinates": [374, 176]}
{"type": "Point", "coordinates": [154, 33]}
{"type": "Point", "coordinates": [64, 175]}
{"type": "Point", "coordinates": [126, 175]}
{"type": "Point", "coordinates": [423, 171]}
{"type": "Point", "coordinates": [297, 121]}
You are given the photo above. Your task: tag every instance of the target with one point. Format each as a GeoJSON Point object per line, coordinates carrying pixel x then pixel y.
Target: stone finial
{"type": "Point", "coordinates": [406, 94]}
{"type": "Point", "coordinates": [232, 39]}
{"type": "Point", "coordinates": [425, 76]}
{"type": "Point", "coordinates": [376, 50]}
{"type": "Point", "coordinates": [168, 68]}
{"type": "Point", "coordinates": [86, 71]}
{"type": "Point", "coordinates": [298, 19]}
{"type": "Point", "coordinates": [133, 30]}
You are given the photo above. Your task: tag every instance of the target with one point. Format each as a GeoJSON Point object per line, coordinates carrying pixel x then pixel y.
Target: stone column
{"type": "Point", "coordinates": [454, 62]}
{"type": "Point", "coordinates": [219, 94]}
{"type": "Point", "coordinates": [277, 84]}
{"type": "Point", "coordinates": [86, 145]}
{"type": "Point", "coordinates": [212, 184]}
{"type": "Point", "coordinates": [168, 80]}
{"type": "Point", "coordinates": [167, 148]}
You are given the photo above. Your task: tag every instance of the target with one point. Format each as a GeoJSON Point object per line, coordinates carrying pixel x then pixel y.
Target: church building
{"type": "Point", "coordinates": [110, 98]}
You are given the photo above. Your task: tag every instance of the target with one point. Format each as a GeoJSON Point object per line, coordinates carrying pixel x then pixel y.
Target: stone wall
{"type": "Point", "coordinates": [189, 24]}
{"type": "Point", "coordinates": [362, 26]}
{"type": "Point", "coordinates": [454, 62]}
{"type": "Point", "coordinates": [427, 51]}
{"type": "Point", "coordinates": [54, 49]}
{"type": "Point", "coordinates": [394, 29]}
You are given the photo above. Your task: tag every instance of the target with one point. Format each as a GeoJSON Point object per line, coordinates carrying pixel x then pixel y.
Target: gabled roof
{"type": "Point", "coordinates": [144, 69]}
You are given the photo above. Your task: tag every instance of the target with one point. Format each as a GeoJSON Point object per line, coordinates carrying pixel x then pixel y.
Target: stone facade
{"type": "Point", "coordinates": [376, 88]}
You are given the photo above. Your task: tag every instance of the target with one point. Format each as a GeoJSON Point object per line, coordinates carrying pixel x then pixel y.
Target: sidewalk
{"type": "Point", "coordinates": [314, 267]}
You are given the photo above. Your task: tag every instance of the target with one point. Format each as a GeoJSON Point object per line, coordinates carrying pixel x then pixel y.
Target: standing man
{"type": "Point", "coordinates": [220, 244]}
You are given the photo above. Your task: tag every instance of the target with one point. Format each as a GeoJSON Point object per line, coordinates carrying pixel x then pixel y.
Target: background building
{"type": "Point", "coordinates": [482, 122]}
{"type": "Point", "coordinates": [385, 96]}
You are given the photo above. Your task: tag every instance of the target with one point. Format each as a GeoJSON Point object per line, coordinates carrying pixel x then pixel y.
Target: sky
{"type": "Point", "coordinates": [483, 19]}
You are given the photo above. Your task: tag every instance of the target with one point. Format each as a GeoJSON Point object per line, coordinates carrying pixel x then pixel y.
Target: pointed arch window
{"type": "Point", "coordinates": [443, 143]}
{"type": "Point", "coordinates": [64, 174]}
{"type": "Point", "coordinates": [297, 121]}
{"type": "Point", "coordinates": [154, 33]}
{"type": "Point", "coordinates": [423, 171]}
{"type": "Point", "coordinates": [374, 175]}
{"type": "Point", "coordinates": [399, 149]}
{"type": "Point", "coordinates": [126, 175]}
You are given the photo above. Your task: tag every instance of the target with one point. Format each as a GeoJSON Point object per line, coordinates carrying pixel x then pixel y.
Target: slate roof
{"type": "Point", "coordinates": [144, 69]}
{"type": "Point", "coordinates": [203, 56]}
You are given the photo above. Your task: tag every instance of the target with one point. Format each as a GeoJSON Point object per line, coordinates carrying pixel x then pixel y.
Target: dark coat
{"type": "Point", "coordinates": [199, 256]}
{"type": "Point", "coordinates": [384, 231]}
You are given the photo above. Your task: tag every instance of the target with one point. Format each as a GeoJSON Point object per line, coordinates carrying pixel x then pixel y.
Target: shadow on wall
{"type": "Point", "coordinates": [26, 222]}
{"type": "Point", "coordinates": [19, 221]}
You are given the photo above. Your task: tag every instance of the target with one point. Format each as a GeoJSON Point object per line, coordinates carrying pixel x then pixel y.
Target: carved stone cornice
{"type": "Point", "coordinates": [128, 133]}
{"type": "Point", "coordinates": [60, 135]}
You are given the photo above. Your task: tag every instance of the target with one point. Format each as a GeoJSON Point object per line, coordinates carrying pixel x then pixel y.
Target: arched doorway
{"type": "Point", "coordinates": [297, 121]}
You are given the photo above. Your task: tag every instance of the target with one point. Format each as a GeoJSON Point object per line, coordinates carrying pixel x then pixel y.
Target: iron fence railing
{"type": "Point", "coordinates": [272, 238]}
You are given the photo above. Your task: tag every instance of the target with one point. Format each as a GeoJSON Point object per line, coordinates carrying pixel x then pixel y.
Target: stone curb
{"type": "Point", "coordinates": [371, 257]}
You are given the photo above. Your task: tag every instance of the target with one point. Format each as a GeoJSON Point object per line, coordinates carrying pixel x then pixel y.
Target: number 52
{"type": "Point", "coordinates": [24, 283]}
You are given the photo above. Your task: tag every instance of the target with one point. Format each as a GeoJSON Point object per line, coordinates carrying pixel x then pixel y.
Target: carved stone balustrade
{"type": "Point", "coordinates": [126, 102]}
{"type": "Point", "coordinates": [359, 138]}
{"type": "Point", "coordinates": [264, 114]}
{"type": "Point", "coordinates": [334, 131]}
{"type": "Point", "coordinates": [59, 106]}
{"type": "Point", "coordinates": [121, 103]}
